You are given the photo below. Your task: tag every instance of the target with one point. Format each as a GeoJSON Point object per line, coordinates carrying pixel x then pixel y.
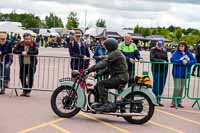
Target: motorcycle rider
{"type": "Point", "coordinates": [116, 67]}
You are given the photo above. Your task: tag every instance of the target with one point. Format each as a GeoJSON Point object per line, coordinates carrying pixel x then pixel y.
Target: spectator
{"type": "Point", "coordinates": [42, 41]}
{"type": "Point", "coordinates": [27, 61]}
{"type": "Point", "coordinates": [181, 72]}
{"type": "Point", "coordinates": [159, 70]}
{"type": "Point", "coordinates": [6, 61]}
{"type": "Point", "coordinates": [8, 37]}
{"type": "Point", "coordinates": [100, 51]}
{"type": "Point", "coordinates": [50, 41]}
{"type": "Point", "coordinates": [14, 38]}
{"type": "Point", "coordinates": [18, 37]}
{"type": "Point", "coordinates": [46, 41]}
{"type": "Point", "coordinates": [67, 41]}
{"type": "Point", "coordinates": [131, 53]}
{"type": "Point", "coordinates": [37, 40]}
{"type": "Point", "coordinates": [197, 54]}
{"type": "Point", "coordinates": [59, 41]}
{"type": "Point", "coordinates": [93, 43]}
{"type": "Point", "coordinates": [80, 54]}
{"type": "Point", "coordinates": [87, 40]}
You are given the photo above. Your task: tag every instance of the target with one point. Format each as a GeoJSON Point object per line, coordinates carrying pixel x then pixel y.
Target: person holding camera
{"type": "Point", "coordinates": [183, 60]}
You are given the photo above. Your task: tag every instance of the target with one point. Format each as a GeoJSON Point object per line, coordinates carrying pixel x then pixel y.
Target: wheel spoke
{"type": "Point", "coordinates": [64, 95]}
{"type": "Point", "coordinates": [63, 101]}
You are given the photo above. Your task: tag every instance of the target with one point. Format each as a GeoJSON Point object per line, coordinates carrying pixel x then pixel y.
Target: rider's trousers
{"type": "Point", "coordinates": [103, 86]}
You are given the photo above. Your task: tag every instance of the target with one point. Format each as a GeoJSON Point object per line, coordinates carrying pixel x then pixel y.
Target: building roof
{"type": "Point", "coordinates": [157, 37]}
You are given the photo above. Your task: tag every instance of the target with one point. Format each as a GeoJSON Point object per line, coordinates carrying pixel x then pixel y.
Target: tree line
{"type": "Point", "coordinates": [28, 20]}
{"type": "Point", "coordinates": [172, 33]}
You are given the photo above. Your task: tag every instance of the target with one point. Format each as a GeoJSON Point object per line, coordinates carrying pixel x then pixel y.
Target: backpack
{"type": "Point", "coordinates": [143, 81]}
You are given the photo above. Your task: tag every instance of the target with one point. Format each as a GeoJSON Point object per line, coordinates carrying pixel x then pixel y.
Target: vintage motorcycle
{"type": "Point", "coordinates": [135, 103]}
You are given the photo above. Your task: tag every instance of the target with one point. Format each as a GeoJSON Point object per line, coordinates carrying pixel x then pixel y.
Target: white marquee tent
{"type": "Point", "coordinates": [11, 28]}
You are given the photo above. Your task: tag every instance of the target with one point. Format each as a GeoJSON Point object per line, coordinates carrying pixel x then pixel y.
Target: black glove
{"type": "Point", "coordinates": [86, 72]}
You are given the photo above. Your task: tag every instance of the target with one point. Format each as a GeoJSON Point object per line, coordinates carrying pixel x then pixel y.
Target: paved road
{"type": "Point", "coordinates": [34, 115]}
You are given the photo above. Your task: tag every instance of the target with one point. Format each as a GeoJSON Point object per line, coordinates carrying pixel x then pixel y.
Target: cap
{"type": "Point", "coordinates": [160, 42]}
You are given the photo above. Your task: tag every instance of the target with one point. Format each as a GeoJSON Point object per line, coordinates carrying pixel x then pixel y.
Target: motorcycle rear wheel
{"type": "Point", "coordinates": [138, 108]}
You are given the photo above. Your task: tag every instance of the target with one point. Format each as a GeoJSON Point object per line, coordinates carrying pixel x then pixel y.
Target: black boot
{"type": "Point", "coordinates": [159, 103]}
{"type": "Point", "coordinates": [193, 74]}
{"type": "Point", "coordinates": [2, 92]}
{"type": "Point", "coordinates": [193, 70]}
{"type": "Point", "coordinates": [5, 85]}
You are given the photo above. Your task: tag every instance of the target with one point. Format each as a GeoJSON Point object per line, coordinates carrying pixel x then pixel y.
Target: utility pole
{"type": "Point", "coordinates": [53, 21]}
{"type": "Point", "coordinates": [151, 23]}
{"type": "Point", "coordinates": [85, 19]}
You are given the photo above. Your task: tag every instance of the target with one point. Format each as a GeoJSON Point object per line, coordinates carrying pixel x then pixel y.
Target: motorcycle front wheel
{"type": "Point", "coordinates": [63, 102]}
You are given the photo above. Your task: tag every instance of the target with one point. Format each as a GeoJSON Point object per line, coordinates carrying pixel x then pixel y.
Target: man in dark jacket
{"type": "Point", "coordinates": [79, 54]}
{"type": "Point", "coordinates": [27, 60]}
{"type": "Point", "coordinates": [158, 57]}
{"type": "Point", "coordinates": [5, 61]}
{"type": "Point", "coordinates": [117, 68]}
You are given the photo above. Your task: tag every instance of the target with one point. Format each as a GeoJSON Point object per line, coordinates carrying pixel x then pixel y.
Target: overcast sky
{"type": "Point", "coordinates": [117, 13]}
